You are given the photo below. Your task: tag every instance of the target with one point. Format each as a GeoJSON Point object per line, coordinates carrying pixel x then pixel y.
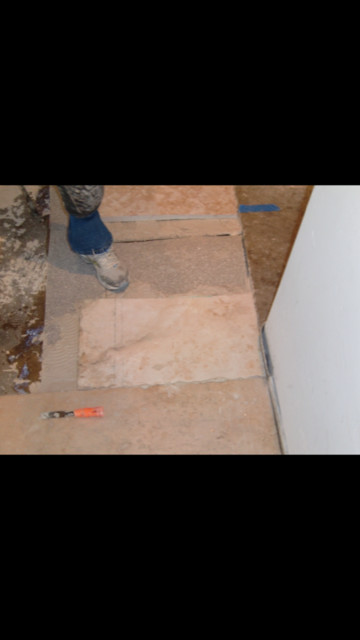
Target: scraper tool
{"type": "Point", "coordinates": [87, 412]}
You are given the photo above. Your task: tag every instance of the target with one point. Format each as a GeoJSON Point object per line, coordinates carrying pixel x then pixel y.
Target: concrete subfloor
{"type": "Point", "coordinates": [189, 258]}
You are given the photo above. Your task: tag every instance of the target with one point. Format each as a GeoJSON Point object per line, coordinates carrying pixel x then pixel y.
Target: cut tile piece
{"type": "Point", "coordinates": [166, 340]}
{"type": "Point", "coordinates": [156, 201]}
{"type": "Point", "coordinates": [165, 229]}
{"type": "Point", "coordinates": [232, 417]}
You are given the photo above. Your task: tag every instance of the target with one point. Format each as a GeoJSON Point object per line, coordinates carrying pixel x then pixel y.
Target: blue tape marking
{"type": "Point", "coordinates": [248, 208]}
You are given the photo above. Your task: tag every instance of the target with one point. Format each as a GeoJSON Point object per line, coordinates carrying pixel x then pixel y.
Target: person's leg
{"type": "Point", "coordinates": [81, 200]}
{"type": "Point", "coordinates": [89, 237]}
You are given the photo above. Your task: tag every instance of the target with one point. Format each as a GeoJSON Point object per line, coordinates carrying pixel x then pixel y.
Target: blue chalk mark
{"type": "Point", "coordinates": [249, 208]}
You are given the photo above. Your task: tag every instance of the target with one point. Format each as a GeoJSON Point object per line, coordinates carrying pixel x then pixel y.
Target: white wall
{"type": "Point", "coordinates": [313, 329]}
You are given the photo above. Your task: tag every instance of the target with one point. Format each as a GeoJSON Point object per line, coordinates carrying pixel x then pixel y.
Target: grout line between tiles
{"type": "Point", "coordinates": [210, 235]}
{"type": "Point", "coordinates": [115, 309]}
{"type": "Point", "coordinates": [122, 321]}
{"type": "Point", "coordinates": [177, 382]}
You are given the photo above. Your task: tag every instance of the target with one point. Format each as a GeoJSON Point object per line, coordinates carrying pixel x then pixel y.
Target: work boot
{"type": "Point", "coordinates": [110, 273]}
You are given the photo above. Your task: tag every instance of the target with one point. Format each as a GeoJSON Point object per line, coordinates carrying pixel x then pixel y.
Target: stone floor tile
{"type": "Point", "coordinates": [233, 417]}
{"type": "Point", "coordinates": [157, 201]}
{"type": "Point", "coordinates": [133, 342]}
{"type": "Point", "coordinates": [199, 200]}
{"type": "Point", "coordinates": [127, 200]}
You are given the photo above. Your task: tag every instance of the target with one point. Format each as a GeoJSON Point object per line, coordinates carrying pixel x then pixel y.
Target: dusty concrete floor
{"type": "Point", "coordinates": [23, 266]}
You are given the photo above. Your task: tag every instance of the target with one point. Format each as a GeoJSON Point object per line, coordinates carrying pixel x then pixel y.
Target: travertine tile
{"type": "Point", "coordinates": [195, 200]}
{"type": "Point", "coordinates": [127, 200]}
{"type": "Point", "coordinates": [157, 201]}
{"type": "Point", "coordinates": [131, 342]}
{"type": "Point", "coordinates": [233, 417]}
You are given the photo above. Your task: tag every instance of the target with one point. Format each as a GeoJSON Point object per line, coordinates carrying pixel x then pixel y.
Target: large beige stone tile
{"type": "Point", "coordinates": [133, 342]}
{"type": "Point", "coordinates": [197, 200]}
{"type": "Point", "coordinates": [127, 201]}
{"type": "Point", "coordinates": [232, 417]}
{"type": "Point", "coordinates": [158, 201]}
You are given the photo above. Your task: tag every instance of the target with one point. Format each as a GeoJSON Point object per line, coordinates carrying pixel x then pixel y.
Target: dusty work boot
{"type": "Point", "coordinates": [110, 273]}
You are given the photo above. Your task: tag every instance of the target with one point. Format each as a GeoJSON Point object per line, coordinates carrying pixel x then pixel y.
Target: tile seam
{"type": "Point", "coordinates": [135, 218]}
{"type": "Point", "coordinates": [177, 382]}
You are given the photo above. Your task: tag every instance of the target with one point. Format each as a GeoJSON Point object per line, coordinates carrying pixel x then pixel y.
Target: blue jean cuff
{"type": "Point", "coordinates": [89, 235]}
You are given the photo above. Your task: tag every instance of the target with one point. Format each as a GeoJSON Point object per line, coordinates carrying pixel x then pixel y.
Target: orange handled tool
{"type": "Point", "coordinates": [88, 412]}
